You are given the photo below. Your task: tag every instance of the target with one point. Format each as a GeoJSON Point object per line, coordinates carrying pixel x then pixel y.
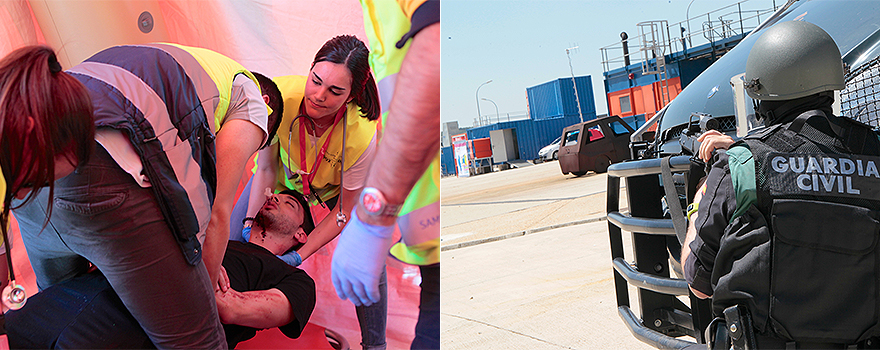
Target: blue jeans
{"type": "Point", "coordinates": [372, 319]}
{"type": "Point", "coordinates": [428, 325]}
{"type": "Point", "coordinates": [100, 215]}
{"type": "Point", "coordinates": [81, 313]}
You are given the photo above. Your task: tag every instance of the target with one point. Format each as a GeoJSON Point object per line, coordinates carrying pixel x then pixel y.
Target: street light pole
{"type": "Point", "coordinates": [688, 19]}
{"type": "Point", "coordinates": [576, 98]}
{"type": "Point", "coordinates": [480, 116]}
{"type": "Point", "coordinates": [497, 117]}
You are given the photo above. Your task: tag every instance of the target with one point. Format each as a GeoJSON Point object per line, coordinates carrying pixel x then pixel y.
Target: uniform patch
{"type": "Point", "coordinates": [824, 175]}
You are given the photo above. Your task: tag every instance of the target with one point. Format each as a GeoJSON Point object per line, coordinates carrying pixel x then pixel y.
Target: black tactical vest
{"type": "Point", "coordinates": [812, 274]}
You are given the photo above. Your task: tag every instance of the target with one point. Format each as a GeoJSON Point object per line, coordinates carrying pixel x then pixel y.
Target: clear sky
{"type": "Point", "coordinates": [521, 43]}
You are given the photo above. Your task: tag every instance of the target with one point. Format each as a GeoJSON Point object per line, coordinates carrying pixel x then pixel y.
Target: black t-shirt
{"type": "Point", "coordinates": [251, 267]}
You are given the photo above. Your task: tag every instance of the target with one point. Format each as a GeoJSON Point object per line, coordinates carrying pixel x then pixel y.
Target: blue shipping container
{"type": "Point", "coordinates": [556, 98]}
{"type": "Point", "coordinates": [531, 135]}
{"type": "Point", "coordinates": [447, 161]}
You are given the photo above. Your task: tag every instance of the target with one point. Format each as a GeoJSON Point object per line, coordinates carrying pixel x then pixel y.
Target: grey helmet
{"type": "Point", "coordinates": [791, 60]}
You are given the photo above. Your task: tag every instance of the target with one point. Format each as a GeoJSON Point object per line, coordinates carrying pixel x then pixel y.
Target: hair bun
{"type": "Point", "coordinates": [54, 66]}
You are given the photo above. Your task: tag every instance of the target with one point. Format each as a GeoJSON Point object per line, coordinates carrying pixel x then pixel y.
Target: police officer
{"type": "Point", "coordinates": [787, 228]}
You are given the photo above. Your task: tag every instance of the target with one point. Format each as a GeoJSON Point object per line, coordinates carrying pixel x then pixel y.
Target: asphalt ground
{"type": "Point", "coordinates": [515, 200]}
{"type": "Point", "coordinates": [527, 264]}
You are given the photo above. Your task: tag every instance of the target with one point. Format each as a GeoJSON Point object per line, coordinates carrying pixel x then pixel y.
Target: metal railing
{"type": "Point", "coordinates": [498, 118]}
{"type": "Point", "coordinates": [726, 22]}
{"type": "Point", "coordinates": [663, 317]}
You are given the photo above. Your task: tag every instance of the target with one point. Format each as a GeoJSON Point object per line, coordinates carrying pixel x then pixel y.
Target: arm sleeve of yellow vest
{"type": "Point", "coordinates": [410, 139]}
{"type": "Point", "coordinates": [4, 267]}
{"type": "Point", "coordinates": [421, 14]}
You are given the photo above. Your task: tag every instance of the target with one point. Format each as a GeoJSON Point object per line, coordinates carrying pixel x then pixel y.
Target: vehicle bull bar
{"type": "Point", "coordinates": [664, 317]}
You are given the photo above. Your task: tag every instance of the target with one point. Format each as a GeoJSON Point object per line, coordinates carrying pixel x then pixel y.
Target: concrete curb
{"type": "Point", "coordinates": [519, 233]}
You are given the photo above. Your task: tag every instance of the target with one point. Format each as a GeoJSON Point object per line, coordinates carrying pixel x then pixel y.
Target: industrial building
{"type": "Point", "coordinates": [667, 58]}
{"type": "Point", "coordinates": [552, 106]}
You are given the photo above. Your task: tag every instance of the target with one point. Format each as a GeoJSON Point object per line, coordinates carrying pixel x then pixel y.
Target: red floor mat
{"type": "Point", "coordinates": [312, 337]}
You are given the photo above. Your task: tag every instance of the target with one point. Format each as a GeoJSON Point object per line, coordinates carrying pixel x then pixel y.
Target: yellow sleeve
{"type": "Point", "coordinates": [2, 205]}
{"type": "Point", "coordinates": [409, 6]}
{"type": "Point", "coordinates": [2, 189]}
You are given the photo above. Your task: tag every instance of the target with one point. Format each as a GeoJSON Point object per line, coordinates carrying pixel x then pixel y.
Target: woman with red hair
{"type": "Point", "coordinates": [46, 129]}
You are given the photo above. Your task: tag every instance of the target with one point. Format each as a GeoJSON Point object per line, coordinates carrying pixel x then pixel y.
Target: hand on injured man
{"type": "Point", "coordinates": [225, 304]}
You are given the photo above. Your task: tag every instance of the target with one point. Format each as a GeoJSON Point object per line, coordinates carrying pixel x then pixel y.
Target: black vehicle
{"type": "Point", "coordinates": [594, 145]}
{"type": "Point", "coordinates": [656, 195]}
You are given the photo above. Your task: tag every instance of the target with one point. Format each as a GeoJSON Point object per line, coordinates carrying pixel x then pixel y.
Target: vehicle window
{"type": "Point", "coordinates": [596, 133]}
{"type": "Point", "coordinates": [556, 141]}
{"type": "Point", "coordinates": [635, 121]}
{"type": "Point", "coordinates": [618, 128]}
{"type": "Point", "coordinates": [571, 137]}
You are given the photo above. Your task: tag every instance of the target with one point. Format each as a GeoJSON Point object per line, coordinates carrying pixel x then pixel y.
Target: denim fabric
{"type": "Point", "coordinates": [373, 318]}
{"type": "Point", "coordinates": [101, 215]}
{"type": "Point", "coordinates": [428, 325]}
{"type": "Point", "coordinates": [81, 313]}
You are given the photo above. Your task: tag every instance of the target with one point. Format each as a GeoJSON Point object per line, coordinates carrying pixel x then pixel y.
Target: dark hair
{"type": "Point", "coordinates": [308, 224]}
{"type": "Point", "coordinates": [44, 113]}
{"type": "Point", "coordinates": [268, 88]}
{"type": "Point", "coordinates": [353, 53]}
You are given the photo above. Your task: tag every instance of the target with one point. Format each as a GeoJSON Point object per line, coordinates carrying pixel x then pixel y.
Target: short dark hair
{"type": "Point", "coordinates": [308, 223]}
{"type": "Point", "coordinates": [276, 102]}
{"type": "Point", "coordinates": [350, 51]}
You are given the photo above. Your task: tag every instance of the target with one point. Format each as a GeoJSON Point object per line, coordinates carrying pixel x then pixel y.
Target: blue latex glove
{"type": "Point", "coordinates": [246, 234]}
{"type": "Point", "coordinates": [359, 260]}
{"type": "Point", "coordinates": [292, 258]}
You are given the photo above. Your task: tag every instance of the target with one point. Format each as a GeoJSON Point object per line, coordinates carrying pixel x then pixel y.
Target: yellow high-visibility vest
{"type": "Point", "coordinates": [385, 23]}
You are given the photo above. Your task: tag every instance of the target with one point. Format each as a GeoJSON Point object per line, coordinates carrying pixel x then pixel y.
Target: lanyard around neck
{"type": "Point", "coordinates": [309, 174]}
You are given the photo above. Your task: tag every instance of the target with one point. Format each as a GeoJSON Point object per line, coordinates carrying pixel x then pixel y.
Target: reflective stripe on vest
{"type": "Point", "coordinates": [154, 109]}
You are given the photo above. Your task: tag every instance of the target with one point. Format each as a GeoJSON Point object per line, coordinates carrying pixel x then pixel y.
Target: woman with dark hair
{"type": "Point", "coordinates": [325, 146]}
{"type": "Point", "coordinates": [46, 129]}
